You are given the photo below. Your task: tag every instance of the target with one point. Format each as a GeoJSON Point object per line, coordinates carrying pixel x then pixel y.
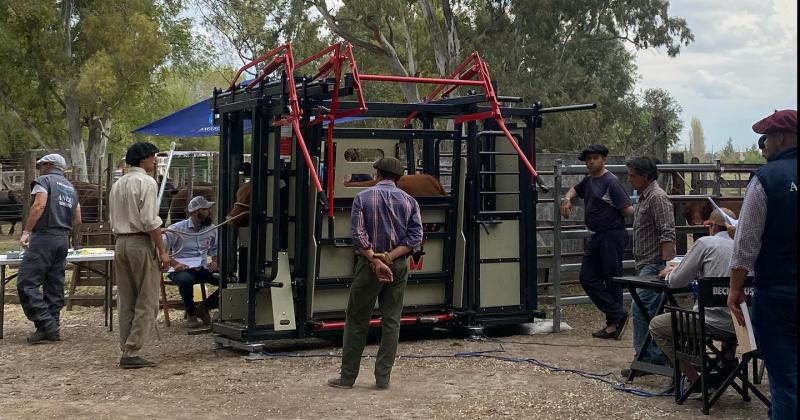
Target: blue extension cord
{"type": "Point", "coordinates": [615, 384]}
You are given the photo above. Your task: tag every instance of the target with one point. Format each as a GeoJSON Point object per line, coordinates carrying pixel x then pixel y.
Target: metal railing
{"type": "Point", "coordinates": [558, 268]}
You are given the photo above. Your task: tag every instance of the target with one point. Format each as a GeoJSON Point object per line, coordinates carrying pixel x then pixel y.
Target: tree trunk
{"type": "Point", "coordinates": [71, 108]}
{"type": "Point", "coordinates": [77, 151]}
{"type": "Point", "coordinates": [99, 130]}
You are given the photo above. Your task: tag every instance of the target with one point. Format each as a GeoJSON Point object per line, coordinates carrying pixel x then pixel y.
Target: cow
{"type": "Point", "coordinates": [417, 185]}
{"type": "Point", "coordinates": [180, 199]}
{"type": "Point", "coordinates": [10, 210]}
{"type": "Point", "coordinates": [697, 212]}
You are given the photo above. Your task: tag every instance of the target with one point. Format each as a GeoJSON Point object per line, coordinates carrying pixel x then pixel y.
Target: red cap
{"type": "Point", "coordinates": [780, 121]}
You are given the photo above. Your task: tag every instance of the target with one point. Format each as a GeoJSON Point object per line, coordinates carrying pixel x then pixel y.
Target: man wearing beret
{"type": "Point", "coordinates": [766, 244]}
{"type": "Point", "coordinates": [386, 227]}
{"type": "Point", "coordinates": [55, 212]}
{"type": "Point", "coordinates": [140, 252]}
{"type": "Point", "coordinates": [607, 204]}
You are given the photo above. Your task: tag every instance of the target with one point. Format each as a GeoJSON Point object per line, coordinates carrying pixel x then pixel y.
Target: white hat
{"type": "Point", "coordinates": [57, 160]}
{"type": "Point", "coordinates": [199, 202]}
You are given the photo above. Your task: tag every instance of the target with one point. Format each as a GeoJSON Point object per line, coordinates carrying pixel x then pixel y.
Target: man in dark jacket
{"type": "Point", "coordinates": [766, 244]}
{"type": "Point", "coordinates": [54, 213]}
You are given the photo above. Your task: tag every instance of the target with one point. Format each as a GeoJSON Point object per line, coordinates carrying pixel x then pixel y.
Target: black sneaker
{"type": "Point", "coordinates": [204, 314]}
{"type": "Point", "coordinates": [43, 337]}
{"type": "Point", "coordinates": [382, 385]}
{"type": "Point", "coordinates": [134, 362]}
{"type": "Point", "coordinates": [340, 382]}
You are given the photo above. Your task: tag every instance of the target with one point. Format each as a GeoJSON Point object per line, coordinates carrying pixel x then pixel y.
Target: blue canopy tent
{"type": "Point", "coordinates": [198, 121]}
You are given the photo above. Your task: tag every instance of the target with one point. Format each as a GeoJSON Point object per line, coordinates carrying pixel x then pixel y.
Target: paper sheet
{"type": "Point", "coordinates": [731, 221]}
{"type": "Point", "coordinates": [744, 335]}
{"type": "Point", "coordinates": [192, 262]}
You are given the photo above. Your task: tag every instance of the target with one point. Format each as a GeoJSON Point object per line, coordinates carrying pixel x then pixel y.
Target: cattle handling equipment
{"type": "Point", "coordinates": [286, 271]}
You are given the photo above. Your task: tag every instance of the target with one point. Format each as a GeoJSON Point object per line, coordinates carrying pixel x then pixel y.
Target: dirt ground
{"type": "Point", "coordinates": [79, 378]}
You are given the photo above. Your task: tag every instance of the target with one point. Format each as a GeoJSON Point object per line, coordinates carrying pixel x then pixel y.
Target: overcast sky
{"type": "Point", "coordinates": [741, 67]}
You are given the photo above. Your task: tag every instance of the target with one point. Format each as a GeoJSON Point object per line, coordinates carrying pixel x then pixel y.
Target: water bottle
{"type": "Point", "coordinates": [635, 199]}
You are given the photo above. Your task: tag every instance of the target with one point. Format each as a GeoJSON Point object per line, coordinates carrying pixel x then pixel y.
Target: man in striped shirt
{"type": "Point", "coordinates": [386, 227]}
{"type": "Point", "coordinates": [653, 246]}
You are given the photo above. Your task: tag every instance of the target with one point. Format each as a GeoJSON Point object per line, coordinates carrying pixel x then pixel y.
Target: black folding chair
{"type": "Point", "coordinates": [694, 344]}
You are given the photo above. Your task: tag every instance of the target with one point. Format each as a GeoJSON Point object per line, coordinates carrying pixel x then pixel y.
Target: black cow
{"type": "Point", "coordinates": [10, 209]}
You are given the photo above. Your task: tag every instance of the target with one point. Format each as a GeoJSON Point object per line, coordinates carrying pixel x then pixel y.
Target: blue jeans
{"type": "Point", "coordinates": [641, 327]}
{"type": "Point", "coordinates": [775, 327]}
{"type": "Point", "coordinates": [186, 280]}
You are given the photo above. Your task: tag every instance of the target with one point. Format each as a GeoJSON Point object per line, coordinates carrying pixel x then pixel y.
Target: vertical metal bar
{"type": "Point", "coordinates": [29, 168]}
{"type": "Point", "coordinates": [556, 268]}
{"type": "Point", "coordinates": [110, 172]}
{"type": "Point", "coordinates": [189, 183]}
{"type": "Point", "coordinates": [718, 178]}
{"type": "Point", "coordinates": [166, 173]}
{"type": "Point", "coordinates": [430, 154]}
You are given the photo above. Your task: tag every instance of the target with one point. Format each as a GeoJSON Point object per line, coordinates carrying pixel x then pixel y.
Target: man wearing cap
{"type": "Point", "coordinates": [140, 253]}
{"type": "Point", "coordinates": [55, 212]}
{"type": "Point", "coordinates": [606, 204]}
{"type": "Point", "coordinates": [386, 227]}
{"type": "Point", "coordinates": [191, 242]}
{"type": "Point", "coordinates": [766, 244]}
{"type": "Point", "coordinates": [709, 257]}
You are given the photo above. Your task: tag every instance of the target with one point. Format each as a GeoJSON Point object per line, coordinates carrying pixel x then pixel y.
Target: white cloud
{"type": "Point", "coordinates": [742, 65]}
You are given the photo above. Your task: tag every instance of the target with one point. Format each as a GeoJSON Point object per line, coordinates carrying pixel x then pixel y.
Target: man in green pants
{"type": "Point", "coordinates": [386, 227]}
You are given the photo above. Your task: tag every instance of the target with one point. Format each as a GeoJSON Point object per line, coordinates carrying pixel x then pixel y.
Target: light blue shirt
{"type": "Point", "coordinates": [203, 245]}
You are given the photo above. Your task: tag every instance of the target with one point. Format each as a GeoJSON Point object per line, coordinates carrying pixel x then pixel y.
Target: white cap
{"type": "Point", "coordinates": [54, 158]}
{"type": "Point", "coordinates": [199, 202]}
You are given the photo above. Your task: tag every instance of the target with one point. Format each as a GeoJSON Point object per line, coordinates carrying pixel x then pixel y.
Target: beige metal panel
{"type": "Point", "coordinates": [461, 241]}
{"type": "Point", "coordinates": [331, 300]}
{"type": "Point", "coordinates": [502, 241]}
{"type": "Point", "coordinates": [234, 304]}
{"type": "Point", "coordinates": [416, 294]}
{"type": "Point", "coordinates": [282, 298]}
{"type": "Point", "coordinates": [335, 261]}
{"type": "Point", "coordinates": [506, 182]}
{"type": "Point", "coordinates": [424, 294]}
{"type": "Point", "coordinates": [499, 285]}
{"type": "Point", "coordinates": [433, 215]}
{"type": "Point", "coordinates": [432, 261]}
{"type": "Point", "coordinates": [341, 224]}
{"type": "Point", "coordinates": [343, 167]}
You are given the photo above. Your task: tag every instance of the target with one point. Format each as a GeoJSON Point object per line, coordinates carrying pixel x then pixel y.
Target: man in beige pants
{"type": "Point", "coordinates": [140, 252]}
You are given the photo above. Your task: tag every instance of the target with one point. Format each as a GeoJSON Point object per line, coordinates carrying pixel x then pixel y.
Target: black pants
{"type": "Point", "coordinates": [186, 279]}
{"type": "Point", "coordinates": [40, 283]}
{"type": "Point", "coordinates": [601, 263]}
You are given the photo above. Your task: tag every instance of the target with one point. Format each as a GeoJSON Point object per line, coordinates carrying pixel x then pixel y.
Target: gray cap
{"type": "Point", "coordinates": [199, 202]}
{"type": "Point", "coordinates": [390, 165]}
{"type": "Point", "coordinates": [57, 160]}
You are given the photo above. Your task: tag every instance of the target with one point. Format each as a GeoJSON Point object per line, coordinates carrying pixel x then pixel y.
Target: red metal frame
{"type": "Point", "coordinates": [286, 60]}
{"type": "Point", "coordinates": [338, 53]}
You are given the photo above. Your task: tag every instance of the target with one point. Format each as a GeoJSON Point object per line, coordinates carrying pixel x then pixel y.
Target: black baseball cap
{"type": "Point", "coordinates": [595, 149]}
{"type": "Point", "coordinates": [139, 151]}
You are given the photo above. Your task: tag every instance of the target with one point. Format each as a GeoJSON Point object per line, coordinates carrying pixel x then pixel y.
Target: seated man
{"type": "Point", "coordinates": [710, 256]}
{"type": "Point", "coordinates": [189, 265]}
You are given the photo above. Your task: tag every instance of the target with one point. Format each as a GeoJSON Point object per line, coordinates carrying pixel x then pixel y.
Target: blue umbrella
{"type": "Point", "coordinates": [198, 121]}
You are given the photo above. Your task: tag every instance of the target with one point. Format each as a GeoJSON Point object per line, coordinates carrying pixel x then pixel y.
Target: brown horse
{"type": "Point", "coordinates": [417, 185]}
{"type": "Point", "coordinates": [697, 212]}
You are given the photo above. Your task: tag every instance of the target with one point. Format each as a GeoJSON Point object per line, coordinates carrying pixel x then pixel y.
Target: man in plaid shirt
{"type": "Point", "coordinates": [653, 245]}
{"type": "Point", "coordinates": [386, 227]}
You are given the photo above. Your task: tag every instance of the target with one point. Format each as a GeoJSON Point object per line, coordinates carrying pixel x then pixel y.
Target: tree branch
{"type": "Point", "coordinates": [322, 7]}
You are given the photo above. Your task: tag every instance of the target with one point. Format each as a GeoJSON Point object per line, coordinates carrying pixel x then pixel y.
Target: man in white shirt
{"type": "Point", "coordinates": [140, 253]}
{"type": "Point", "coordinates": [709, 257]}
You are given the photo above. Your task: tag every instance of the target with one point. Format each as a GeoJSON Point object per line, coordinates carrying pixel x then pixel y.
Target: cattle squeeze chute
{"type": "Point", "coordinates": [287, 273]}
